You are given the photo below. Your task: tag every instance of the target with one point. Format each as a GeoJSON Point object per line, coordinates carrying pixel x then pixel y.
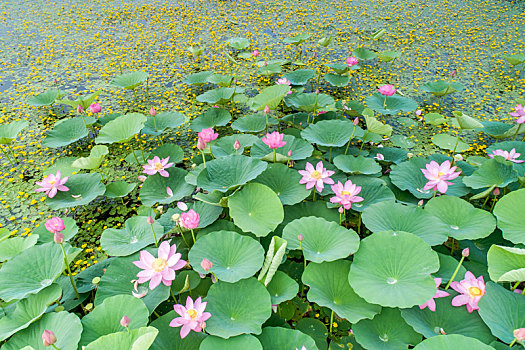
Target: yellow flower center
{"type": "Point", "coordinates": [159, 264]}
{"type": "Point", "coordinates": [52, 182]}
{"type": "Point", "coordinates": [345, 192]}
{"type": "Point", "coordinates": [440, 174]}
{"type": "Point", "coordinates": [316, 175]}
{"type": "Point", "coordinates": [192, 313]}
{"type": "Point", "coordinates": [158, 166]}
{"type": "Point", "coordinates": [475, 291]}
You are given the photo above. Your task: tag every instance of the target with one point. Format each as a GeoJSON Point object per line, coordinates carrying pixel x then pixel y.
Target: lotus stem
{"type": "Point", "coordinates": [134, 155]}
{"type": "Point", "coordinates": [101, 177]}
{"type": "Point", "coordinates": [193, 235]}
{"type": "Point", "coordinates": [455, 272]}
{"type": "Point", "coordinates": [331, 321]}
{"type": "Point", "coordinates": [486, 200]}
{"type": "Point", "coordinates": [54, 346]}
{"type": "Point", "coordinates": [351, 137]}
{"type": "Point", "coordinates": [7, 156]}
{"type": "Point", "coordinates": [304, 258]}
{"type": "Point", "coordinates": [515, 285]}
{"type": "Point", "coordinates": [173, 296]}
{"type": "Point", "coordinates": [142, 151]}
{"type": "Point", "coordinates": [359, 224]}
{"type": "Point", "coordinates": [513, 342]}
{"type": "Point", "coordinates": [203, 159]}
{"type": "Point", "coordinates": [182, 234]}
{"type": "Point", "coordinates": [69, 272]}
{"type": "Point", "coordinates": [274, 156]}
{"type": "Point", "coordinates": [330, 155]}
{"type": "Point", "coordinates": [155, 123]}
{"type": "Point", "coordinates": [154, 235]}
{"type": "Point", "coordinates": [384, 103]}
{"type": "Point", "coordinates": [313, 198]}
{"type": "Point", "coordinates": [455, 146]}
{"type": "Point", "coordinates": [361, 148]}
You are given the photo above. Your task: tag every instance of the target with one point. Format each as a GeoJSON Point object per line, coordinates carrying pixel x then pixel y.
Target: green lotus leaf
{"type": "Point", "coordinates": [105, 318]}
{"type": "Point", "coordinates": [131, 80]}
{"type": "Point", "coordinates": [299, 76]}
{"type": "Point", "coordinates": [136, 339]}
{"type": "Point", "coordinates": [506, 264]}
{"type": "Point", "coordinates": [515, 59]}
{"type": "Point", "coordinates": [119, 189]}
{"type": "Point", "coordinates": [198, 79]}
{"type": "Point", "coordinates": [83, 188]}
{"type": "Point", "coordinates": [154, 189]}
{"type": "Point", "coordinates": [21, 277]}
{"type": "Point", "coordinates": [384, 216]}
{"type": "Point", "coordinates": [452, 342]}
{"type": "Point", "coordinates": [285, 339]}
{"type": "Point", "coordinates": [493, 172]}
{"type": "Point", "coordinates": [466, 122]}
{"type": "Point", "coordinates": [11, 247]}
{"type": "Point", "coordinates": [339, 68]}
{"type": "Point", "coordinates": [435, 119]}
{"type": "Point", "coordinates": [208, 214]}
{"type": "Point", "coordinates": [315, 329]}
{"type": "Point", "coordinates": [169, 337]}
{"type": "Point", "coordinates": [135, 235]}
{"type": "Point", "coordinates": [450, 319]}
{"type": "Point", "coordinates": [308, 208]}
{"type": "Point", "coordinates": [300, 148]}
{"type": "Point", "coordinates": [357, 165]}
{"type": "Point", "coordinates": [330, 133]}
{"type": "Point", "coordinates": [225, 173]}
{"type": "Point", "coordinates": [338, 80]}
{"type": "Point", "coordinates": [216, 96]}
{"type": "Point", "coordinates": [221, 80]}
{"type": "Point", "coordinates": [121, 129]}
{"type": "Point", "coordinates": [9, 132]}
{"type": "Point", "coordinates": [285, 182]}
{"type": "Point", "coordinates": [252, 123]}
{"type": "Point", "coordinates": [66, 327]}
{"type": "Point", "coordinates": [387, 56]}
{"type": "Point", "coordinates": [322, 240]}
{"type": "Point", "coordinates": [509, 212]}
{"type": "Point", "coordinates": [237, 308]}
{"type": "Point", "coordinates": [495, 129]}
{"type": "Point", "coordinates": [234, 256]}
{"type": "Point", "coordinates": [448, 142]}
{"type": "Point", "coordinates": [238, 43]}
{"type": "Point", "coordinates": [162, 121]}
{"type": "Point", "coordinates": [393, 269]}
{"type": "Point", "coordinates": [447, 266]}
{"type": "Point", "coordinates": [375, 126]}
{"type": "Point", "coordinates": [274, 258]}
{"type": "Point", "coordinates": [329, 287]}
{"type": "Point", "coordinates": [44, 236]}
{"type": "Point", "coordinates": [270, 96]}
{"type": "Point", "coordinates": [372, 190]}
{"type": "Point", "coordinates": [224, 146]}
{"type": "Point", "coordinates": [211, 118]}
{"type": "Point", "coordinates": [386, 330]}
{"type": "Point", "coordinates": [364, 54]}
{"type": "Point", "coordinates": [282, 288]}
{"type": "Point", "coordinates": [508, 146]}
{"type": "Point", "coordinates": [166, 150]}
{"type": "Point", "coordinates": [270, 69]}
{"type": "Point", "coordinates": [65, 133]}
{"type": "Point", "coordinates": [45, 98]}
{"type": "Point", "coordinates": [394, 154]}
{"type": "Point", "coordinates": [84, 101]}
{"type": "Point", "coordinates": [257, 209]}
{"type": "Point", "coordinates": [241, 342]}
{"type": "Point", "coordinates": [96, 156]}
{"type": "Point", "coordinates": [311, 102]}
{"type": "Point", "coordinates": [297, 39]}
{"type": "Point", "coordinates": [394, 104]}
{"type": "Point", "coordinates": [442, 88]}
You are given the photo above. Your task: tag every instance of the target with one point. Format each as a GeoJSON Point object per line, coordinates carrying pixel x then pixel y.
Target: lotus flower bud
{"type": "Point", "coordinates": [201, 144]}
{"type": "Point", "coordinates": [420, 203]}
{"type": "Point", "coordinates": [48, 337]}
{"type": "Point", "coordinates": [95, 108]}
{"type": "Point", "coordinates": [300, 237]}
{"type": "Point", "coordinates": [80, 109]}
{"type": "Point", "coordinates": [142, 178]}
{"type": "Point", "coordinates": [236, 145]}
{"type": "Point", "coordinates": [58, 238]}
{"type": "Point", "coordinates": [255, 53]}
{"type": "Point", "coordinates": [150, 220]}
{"type": "Point", "coordinates": [465, 252]}
{"type": "Point", "coordinates": [341, 210]}
{"type": "Point", "coordinates": [454, 73]}
{"type": "Point", "coordinates": [175, 217]}
{"type": "Point", "coordinates": [458, 157]}
{"type": "Point", "coordinates": [519, 334]}
{"type": "Point", "coordinates": [356, 121]}
{"type": "Point", "coordinates": [317, 91]}
{"type": "Point", "coordinates": [206, 264]}
{"type": "Point", "coordinates": [182, 206]}
{"type": "Point", "coordinates": [289, 153]}
{"type": "Point", "coordinates": [266, 109]}
{"type": "Point", "coordinates": [265, 63]}
{"type": "Point", "coordinates": [410, 155]}
{"type": "Point", "coordinates": [314, 55]}
{"type": "Point", "coordinates": [496, 191]}
{"type": "Point", "coordinates": [124, 321]}
{"type": "Point", "coordinates": [152, 112]}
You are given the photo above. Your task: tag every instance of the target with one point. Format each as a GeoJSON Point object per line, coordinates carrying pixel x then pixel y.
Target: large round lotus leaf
{"type": "Point", "coordinates": [285, 339]}
{"type": "Point", "coordinates": [221, 80]}
{"type": "Point", "coordinates": [66, 326]}
{"type": "Point", "coordinates": [308, 208]}
{"type": "Point", "coordinates": [154, 189]}
{"type": "Point", "coordinates": [442, 88]}
{"type": "Point", "coordinates": [257, 209]}
{"type": "Point", "coordinates": [300, 76]}
{"type": "Point", "coordinates": [93, 161]}
{"type": "Point", "coordinates": [224, 146]}
{"type": "Point", "coordinates": [9, 132]}
{"type": "Point", "coordinates": [394, 104]}
{"type": "Point", "coordinates": [45, 98]}
{"type": "Point", "coordinates": [509, 212]}
{"type": "Point", "coordinates": [20, 315]}
{"type": "Point", "coordinates": [311, 102]}
{"type": "Point", "coordinates": [447, 266]}
{"type": "Point", "coordinates": [408, 176]}
{"type": "Point", "coordinates": [496, 130]}
{"type": "Point", "coordinates": [270, 96]}
{"type": "Point", "coordinates": [121, 129]}
{"type": "Point", "coordinates": [339, 68]}
{"type": "Point", "coordinates": [452, 342]}
{"type": "Point", "coordinates": [169, 337]}
{"type": "Point", "coordinates": [462, 219]}
{"type": "Point", "coordinates": [44, 236]}
{"type": "Point", "coordinates": [241, 342]}
{"type": "Point", "coordinates": [211, 118]}
{"type": "Point", "coordinates": [508, 146]}
{"type": "Point", "coordinates": [506, 264]}
{"type": "Point", "coordinates": [105, 318]}
{"type": "Point", "coordinates": [387, 56]}
{"type": "Point", "coordinates": [31, 272]}
{"type": "Point", "coordinates": [386, 216]}
{"type": "Point", "coordinates": [227, 172]}
{"type": "Point", "coordinates": [162, 121]}
{"type": "Point", "coordinates": [393, 269]}
{"type": "Point", "coordinates": [282, 287]}
{"type": "Point", "coordinates": [285, 182]}
{"type": "Point", "coordinates": [116, 280]}
{"type": "Point", "coordinates": [237, 308]}
{"type": "Point", "coordinates": [64, 164]}
{"type": "Point", "coordinates": [315, 329]}
{"type": "Point", "coordinates": [448, 142]}
{"type": "Point", "coordinates": [337, 79]}
{"type": "Point", "coordinates": [372, 190]}
{"type": "Point", "coordinates": [252, 123]}
{"type": "Point", "coordinates": [83, 188]}
{"type": "Point", "coordinates": [450, 319]}
{"type": "Point", "coordinates": [330, 133]}
{"type": "Point", "coordinates": [65, 133]}
{"type": "Point", "coordinates": [322, 240]}
{"type": "Point", "coordinates": [356, 165]}
{"type": "Point", "coordinates": [234, 256]}
{"type": "Point", "coordinates": [493, 172]}
{"type": "Point", "coordinates": [166, 150]}
{"type": "Point", "coordinates": [13, 246]}
{"type": "Point", "coordinates": [135, 235]}
{"type": "Point", "coordinates": [220, 95]}
{"type": "Point", "coordinates": [300, 149]}
{"type": "Point", "coordinates": [119, 189]}
{"type": "Point", "coordinates": [329, 287]}
{"type": "Point", "coordinates": [198, 79]}
{"type": "Point", "coordinates": [136, 339]}
{"type": "Point", "coordinates": [387, 330]}
{"type": "Point", "coordinates": [130, 80]}
{"type": "Point", "coordinates": [364, 54]}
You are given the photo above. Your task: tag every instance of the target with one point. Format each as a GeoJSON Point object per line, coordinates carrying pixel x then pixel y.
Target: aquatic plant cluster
{"type": "Point", "coordinates": [285, 213]}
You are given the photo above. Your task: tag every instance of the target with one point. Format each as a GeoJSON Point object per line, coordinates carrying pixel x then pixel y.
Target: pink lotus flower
{"type": "Point", "coordinates": [207, 135]}
{"type": "Point", "coordinates": [284, 81]}
{"type": "Point", "coordinates": [124, 321]}
{"type": "Point", "coordinates": [157, 165]}
{"type": "Point", "coordinates": [55, 225]}
{"type": "Point", "coordinates": [237, 145]}
{"type": "Point", "coordinates": [519, 334]}
{"type": "Point", "coordinates": [52, 184]}
{"type": "Point", "coordinates": [274, 140]}
{"type": "Point", "coordinates": [255, 53]}
{"type": "Point", "coordinates": [95, 108]}
{"type": "Point", "coordinates": [152, 112]}
{"type": "Point", "coordinates": [266, 109]}
{"type": "Point", "coordinates": [512, 155]}
{"type": "Point", "coordinates": [58, 238]}
{"type": "Point", "coordinates": [439, 294]}
{"type": "Point", "coordinates": [387, 90]}
{"type": "Point", "coordinates": [347, 194]}
{"type": "Point", "coordinates": [160, 269]}
{"type": "Point", "coordinates": [192, 317]}
{"type": "Point", "coordinates": [519, 113]}
{"type": "Point", "coordinates": [316, 177]}
{"type": "Point", "coordinates": [352, 61]}
{"type": "Point", "coordinates": [190, 219]}
{"type": "Point", "coordinates": [471, 290]}
{"type": "Point", "coordinates": [206, 264]}
{"type": "Point", "coordinates": [437, 176]}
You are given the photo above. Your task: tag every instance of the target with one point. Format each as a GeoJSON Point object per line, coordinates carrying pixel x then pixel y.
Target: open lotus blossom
{"type": "Point", "coordinates": [302, 348]}
{"type": "Point", "coordinates": [274, 140]}
{"type": "Point", "coordinates": [157, 165]}
{"type": "Point", "coordinates": [512, 155]}
{"type": "Point", "coordinates": [519, 113]}
{"type": "Point", "coordinates": [387, 90]}
{"type": "Point", "coordinates": [192, 316]}
{"type": "Point", "coordinates": [471, 290]}
{"type": "Point", "coordinates": [190, 219]}
{"type": "Point", "coordinates": [207, 135]}
{"type": "Point", "coordinates": [55, 225]}
{"type": "Point", "coordinates": [52, 184]}
{"type": "Point", "coordinates": [284, 81]}
{"type": "Point", "coordinates": [346, 194]}
{"type": "Point", "coordinates": [352, 61]}
{"type": "Point", "coordinates": [438, 176]}
{"type": "Point", "coordinates": [162, 269]}
{"type": "Point", "coordinates": [95, 108]}
{"type": "Point", "coordinates": [317, 176]}
{"type": "Point", "coordinates": [431, 304]}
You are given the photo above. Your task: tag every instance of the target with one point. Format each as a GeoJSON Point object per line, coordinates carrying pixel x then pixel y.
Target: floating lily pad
{"type": "Point", "coordinates": [65, 133]}
{"type": "Point", "coordinates": [198, 79]}
{"type": "Point", "coordinates": [135, 235]}
{"type": "Point", "coordinates": [83, 188]}
{"type": "Point", "coordinates": [130, 81]}
{"type": "Point", "coordinates": [211, 118]}
{"type": "Point", "coordinates": [45, 98]}
{"type": "Point", "coordinates": [9, 132]}
{"type": "Point", "coordinates": [252, 123]}
{"type": "Point", "coordinates": [448, 142]}
{"type": "Point", "coordinates": [285, 182]}
{"type": "Point", "coordinates": [388, 56]}
{"type": "Point", "coordinates": [119, 189]}
{"type": "Point", "coordinates": [493, 172]}
{"type": "Point", "coordinates": [435, 119]}
{"type": "Point", "coordinates": [311, 102]}
{"type": "Point", "coordinates": [169, 338]}
{"type": "Point", "coordinates": [330, 133]}
{"type": "Point", "coordinates": [154, 189]}
{"type": "Point", "coordinates": [162, 121]}
{"type": "Point", "coordinates": [357, 165]}
{"type": "Point", "coordinates": [121, 129]}
{"type": "Point", "coordinates": [394, 104]}
{"type": "Point", "coordinates": [299, 147]}
{"type": "Point", "coordinates": [224, 146]}
{"type": "Point", "coordinates": [506, 264]}
{"type": "Point", "coordinates": [241, 342]}
{"type": "Point", "coordinates": [372, 190]}
{"type": "Point", "coordinates": [217, 96]}
{"type": "Point", "coordinates": [299, 76]}
{"type": "Point", "coordinates": [509, 212]}
{"type": "Point", "coordinates": [221, 80]}
{"type": "Point", "coordinates": [285, 338]}
{"type": "Point", "coordinates": [166, 150]}
{"type": "Point", "coordinates": [270, 96]}
{"type": "Point", "coordinates": [297, 39]}
{"type": "Point", "coordinates": [452, 342]}
{"type": "Point", "coordinates": [282, 287]}
{"type": "Point", "coordinates": [338, 80]}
